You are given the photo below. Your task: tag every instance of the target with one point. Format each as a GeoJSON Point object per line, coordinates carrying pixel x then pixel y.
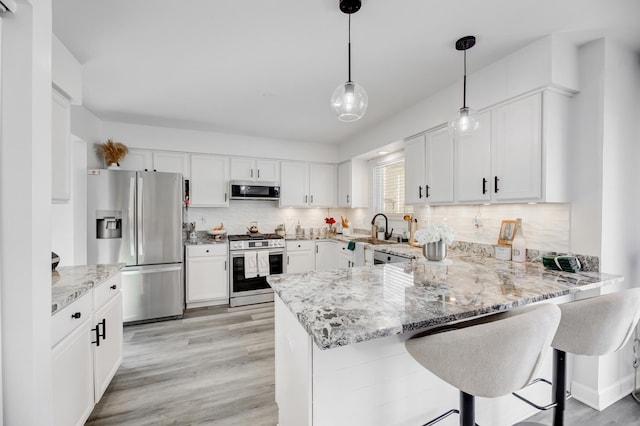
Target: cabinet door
{"type": "Point", "coordinates": [267, 170]}
{"type": "Point", "coordinates": [439, 167]}
{"type": "Point", "coordinates": [473, 163]}
{"type": "Point", "coordinates": [414, 175]}
{"type": "Point", "coordinates": [243, 168]}
{"type": "Point", "coordinates": [323, 185]}
{"type": "Point", "coordinates": [345, 258]}
{"type": "Point", "coordinates": [138, 160]}
{"type": "Point", "coordinates": [209, 181]}
{"type": "Point", "coordinates": [300, 261]}
{"type": "Point", "coordinates": [171, 162]}
{"type": "Point", "coordinates": [207, 278]}
{"type": "Point", "coordinates": [72, 369]}
{"type": "Point", "coordinates": [326, 256]}
{"type": "Point", "coordinates": [107, 356]}
{"type": "Point", "coordinates": [516, 149]}
{"type": "Point", "coordinates": [294, 184]}
{"type": "Point", "coordinates": [345, 197]}
{"type": "Point", "coordinates": [61, 148]}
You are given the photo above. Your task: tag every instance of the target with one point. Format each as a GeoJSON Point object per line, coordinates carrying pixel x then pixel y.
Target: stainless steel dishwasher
{"type": "Point", "coordinates": [380, 257]}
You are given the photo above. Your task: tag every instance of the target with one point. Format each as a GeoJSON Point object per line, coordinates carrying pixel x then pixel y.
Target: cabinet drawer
{"type": "Point", "coordinates": [300, 245]}
{"type": "Point", "coordinates": [64, 321]}
{"type": "Point", "coordinates": [105, 291]}
{"type": "Point", "coordinates": [207, 250]}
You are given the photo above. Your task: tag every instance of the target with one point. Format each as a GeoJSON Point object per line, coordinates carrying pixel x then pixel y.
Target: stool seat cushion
{"type": "Point", "coordinates": [599, 325]}
{"type": "Point", "coordinates": [500, 354]}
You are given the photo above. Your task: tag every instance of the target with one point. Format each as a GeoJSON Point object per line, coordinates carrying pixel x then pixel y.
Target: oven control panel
{"type": "Point", "coordinates": [255, 244]}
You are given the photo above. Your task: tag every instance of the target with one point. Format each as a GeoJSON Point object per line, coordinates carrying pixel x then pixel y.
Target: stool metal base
{"type": "Point", "coordinates": [467, 412]}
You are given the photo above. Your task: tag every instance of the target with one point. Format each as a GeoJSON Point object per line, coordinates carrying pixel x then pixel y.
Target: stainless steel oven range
{"type": "Point", "coordinates": [253, 258]}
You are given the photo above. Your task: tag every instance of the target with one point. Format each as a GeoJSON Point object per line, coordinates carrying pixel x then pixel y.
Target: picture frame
{"type": "Point", "coordinates": [507, 232]}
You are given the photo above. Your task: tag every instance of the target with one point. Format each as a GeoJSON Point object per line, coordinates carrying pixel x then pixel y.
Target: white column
{"type": "Point", "coordinates": [25, 197]}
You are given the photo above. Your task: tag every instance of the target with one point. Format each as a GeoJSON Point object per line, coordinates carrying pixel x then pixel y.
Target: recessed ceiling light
{"type": "Point", "coordinates": [383, 152]}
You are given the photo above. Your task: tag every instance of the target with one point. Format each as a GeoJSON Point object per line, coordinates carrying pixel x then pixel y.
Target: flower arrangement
{"type": "Point", "coordinates": [329, 221]}
{"type": "Point", "coordinates": [434, 233]}
{"type": "Point", "coordinates": [113, 152]}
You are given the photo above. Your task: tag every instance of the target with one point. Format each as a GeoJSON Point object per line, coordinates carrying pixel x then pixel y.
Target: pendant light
{"type": "Point", "coordinates": [349, 101]}
{"type": "Point", "coordinates": [465, 123]}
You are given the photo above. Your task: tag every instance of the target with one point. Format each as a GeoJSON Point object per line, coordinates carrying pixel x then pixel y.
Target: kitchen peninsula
{"type": "Point", "coordinates": [340, 357]}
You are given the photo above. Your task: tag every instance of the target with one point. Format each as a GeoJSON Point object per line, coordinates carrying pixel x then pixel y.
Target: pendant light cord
{"type": "Point", "coordinates": [464, 83]}
{"type": "Point", "coordinates": [349, 80]}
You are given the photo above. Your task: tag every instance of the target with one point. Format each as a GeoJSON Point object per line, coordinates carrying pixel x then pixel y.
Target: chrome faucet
{"type": "Point", "coordinates": [387, 235]}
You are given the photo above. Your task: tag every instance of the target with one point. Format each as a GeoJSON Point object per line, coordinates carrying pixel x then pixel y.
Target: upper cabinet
{"type": "Point", "coordinates": [429, 168]}
{"type": "Point", "coordinates": [137, 160]}
{"type": "Point", "coordinates": [353, 184]}
{"type": "Point", "coordinates": [157, 161]}
{"type": "Point", "coordinates": [251, 169]}
{"type": "Point", "coordinates": [209, 181]}
{"type": "Point", "coordinates": [518, 154]}
{"type": "Point", "coordinates": [307, 184]}
{"type": "Point", "coordinates": [61, 147]}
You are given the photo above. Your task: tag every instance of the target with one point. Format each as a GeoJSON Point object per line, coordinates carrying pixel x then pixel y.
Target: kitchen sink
{"type": "Point", "coordinates": [374, 241]}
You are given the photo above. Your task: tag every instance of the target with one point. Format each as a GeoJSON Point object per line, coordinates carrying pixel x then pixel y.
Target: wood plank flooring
{"type": "Point", "coordinates": [216, 367]}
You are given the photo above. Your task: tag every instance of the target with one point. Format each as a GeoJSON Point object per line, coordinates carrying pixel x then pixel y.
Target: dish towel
{"type": "Point", "coordinates": [358, 255]}
{"type": "Point", "coordinates": [263, 263]}
{"type": "Point", "coordinates": [250, 265]}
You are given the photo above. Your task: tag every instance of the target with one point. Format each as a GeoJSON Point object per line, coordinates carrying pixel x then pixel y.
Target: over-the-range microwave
{"type": "Point", "coordinates": [247, 190]}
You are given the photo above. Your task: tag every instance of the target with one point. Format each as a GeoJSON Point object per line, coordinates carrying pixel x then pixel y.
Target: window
{"type": "Point", "coordinates": [388, 187]}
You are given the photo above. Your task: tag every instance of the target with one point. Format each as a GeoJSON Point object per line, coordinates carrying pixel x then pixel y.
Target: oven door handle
{"type": "Point", "coordinates": [241, 253]}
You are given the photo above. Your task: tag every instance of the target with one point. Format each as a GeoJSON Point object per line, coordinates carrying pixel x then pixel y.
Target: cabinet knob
{"type": "Point", "coordinates": [77, 315]}
{"type": "Point", "coordinates": [207, 251]}
{"type": "Point", "coordinates": [113, 287]}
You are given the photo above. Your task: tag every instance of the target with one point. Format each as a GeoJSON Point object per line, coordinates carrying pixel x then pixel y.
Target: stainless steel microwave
{"type": "Point", "coordinates": [247, 190]}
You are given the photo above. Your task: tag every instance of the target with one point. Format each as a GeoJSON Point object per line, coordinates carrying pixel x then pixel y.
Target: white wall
{"type": "Point", "coordinates": [25, 200]}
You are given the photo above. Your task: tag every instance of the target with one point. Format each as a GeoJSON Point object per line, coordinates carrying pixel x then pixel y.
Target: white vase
{"type": "Point", "coordinates": [435, 251]}
{"type": "Point", "coordinates": [113, 166]}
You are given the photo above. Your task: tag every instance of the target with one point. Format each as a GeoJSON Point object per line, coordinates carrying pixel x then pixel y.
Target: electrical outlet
{"type": "Point", "coordinates": [203, 220]}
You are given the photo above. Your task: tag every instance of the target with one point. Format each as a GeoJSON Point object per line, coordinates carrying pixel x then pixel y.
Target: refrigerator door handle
{"type": "Point", "coordinates": [140, 222]}
{"type": "Point", "coordinates": [150, 271]}
{"type": "Point", "coordinates": [132, 184]}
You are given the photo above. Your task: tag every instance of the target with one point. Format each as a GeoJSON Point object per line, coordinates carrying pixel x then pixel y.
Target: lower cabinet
{"type": "Point", "coordinates": [326, 255]}
{"type": "Point", "coordinates": [207, 275]}
{"type": "Point", "coordinates": [86, 351]}
{"type": "Point", "coordinates": [300, 256]}
{"type": "Point", "coordinates": [345, 256]}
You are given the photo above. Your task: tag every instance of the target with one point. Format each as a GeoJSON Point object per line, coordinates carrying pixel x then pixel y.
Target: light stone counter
{"type": "Point", "coordinates": [68, 283]}
{"type": "Point", "coordinates": [339, 308]}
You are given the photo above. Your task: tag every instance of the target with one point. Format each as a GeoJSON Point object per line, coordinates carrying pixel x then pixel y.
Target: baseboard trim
{"type": "Point", "coordinates": [601, 399]}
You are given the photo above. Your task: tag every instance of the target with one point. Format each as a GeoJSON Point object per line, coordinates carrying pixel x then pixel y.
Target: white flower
{"type": "Point", "coordinates": [435, 233]}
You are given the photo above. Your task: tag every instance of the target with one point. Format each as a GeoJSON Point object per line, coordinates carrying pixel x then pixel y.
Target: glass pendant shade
{"type": "Point", "coordinates": [464, 124]}
{"type": "Point", "coordinates": [349, 101]}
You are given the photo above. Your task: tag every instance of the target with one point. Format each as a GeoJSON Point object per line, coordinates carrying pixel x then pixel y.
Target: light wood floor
{"type": "Point", "coordinates": [216, 367]}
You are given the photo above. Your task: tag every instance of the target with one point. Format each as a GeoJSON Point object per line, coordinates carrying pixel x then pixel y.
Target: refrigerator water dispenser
{"type": "Point", "coordinates": [108, 224]}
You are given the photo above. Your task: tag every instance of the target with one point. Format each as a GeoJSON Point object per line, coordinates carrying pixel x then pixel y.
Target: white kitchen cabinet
{"type": "Point", "coordinates": [473, 163]}
{"type": "Point", "coordinates": [429, 168]}
{"type": "Point", "coordinates": [107, 353]}
{"type": "Point", "coordinates": [307, 184]}
{"type": "Point", "coordinates": [326, 255]}
{"type": "Point", "coordinates": [516, 149]}
{"type": "Point", "coordinates": [137, 160]}
{"type": "Point", "coordinates": [209, 182]}
{"type": "Point", "coordinates": [252, 169]}
{"type": "Point", "coordinates": [171, 162]}
{"type": "Point", "coordinates": [353, 184]}
{"type": "Point", "coordinates": [345, 256]}
{"type": "Point", "coordinates": [207, 276]}
{"type": "Point", "coordinates": [72, 363]}
{"type": "Point", "coordinates": [60, 147]}
{"type": "Point", "coordinates": [300, 256]}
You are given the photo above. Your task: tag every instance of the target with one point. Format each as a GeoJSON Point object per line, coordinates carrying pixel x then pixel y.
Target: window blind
{"type": "Point", "coordinates": [389, 188]}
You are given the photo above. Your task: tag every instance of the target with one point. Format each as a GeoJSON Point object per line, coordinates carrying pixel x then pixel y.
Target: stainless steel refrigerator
{"type": "Point", "coordinates": [136, 218]}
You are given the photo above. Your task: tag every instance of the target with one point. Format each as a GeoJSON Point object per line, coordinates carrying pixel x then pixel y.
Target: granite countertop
{"type": "Point", "coordinates": [205, 240]}
{"type": "Point", "coordinates": [69, 283]}
{"type": "Point", "coordinates": [343, 307]}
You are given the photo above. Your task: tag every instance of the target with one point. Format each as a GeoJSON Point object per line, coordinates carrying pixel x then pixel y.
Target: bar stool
{"type": "Point", "coordinates": [489, 357]}
{"type": "Point", "coordinates": [597, 326]}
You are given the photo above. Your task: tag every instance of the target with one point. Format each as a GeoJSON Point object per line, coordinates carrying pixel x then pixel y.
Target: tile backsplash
{"type": "Point", "coordinates": [546, 226]}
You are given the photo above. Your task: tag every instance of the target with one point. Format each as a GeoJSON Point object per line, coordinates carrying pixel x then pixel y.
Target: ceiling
{"type": "Point", "coordinates": [268, 68]}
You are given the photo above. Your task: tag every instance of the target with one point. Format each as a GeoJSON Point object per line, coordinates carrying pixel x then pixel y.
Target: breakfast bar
{"type": "Point", "coordinates": [340, 355]}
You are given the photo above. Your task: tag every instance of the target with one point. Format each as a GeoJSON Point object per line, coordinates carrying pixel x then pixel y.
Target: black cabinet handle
{"type": "Point", "coordinates": [312, 199]}
{"type": "Point", "coordinates": [251, 172]}
{"type": "Point", "coordinates": [495, 184]}
{"type": "Point", "coordinates": [484, 185]}
{"type": "Point", "coordinates": [77, 315]}
{"type": "Point", "coordinates": [97, 330]}
{"type": "Point", "coordinates": [113, 287]}
{"type": "Point", "coordinates": [258, 173]}
{"type": "Point", "coordinates": [419, 192]}
{"type": "Point", "coordinates": [287, 260]}
{"type": "Point", "coordinates": [426, 187]}
{"type": "Point", "coordinates": [347, 198]}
